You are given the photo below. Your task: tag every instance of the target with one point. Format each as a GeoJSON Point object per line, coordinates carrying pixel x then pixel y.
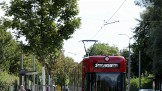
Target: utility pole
{"type": "Point", "coordinates": [21, 66]}
{"type": "Point", "coordinates": [34, 74]}
{"type": "Point", "coordinates": [129, 62]}
{"type": "Point", "coordinates": [1, 3]}
{"type": "Point", "coordinates": [139, 83]}
{"type": "Point", "coordinates": [129, 67]}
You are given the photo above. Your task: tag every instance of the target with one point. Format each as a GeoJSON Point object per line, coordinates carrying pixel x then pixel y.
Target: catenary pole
{"type": "Point", "coordinates": [139, 83]}
{"type": "Point", "coordinates": [129, 62]}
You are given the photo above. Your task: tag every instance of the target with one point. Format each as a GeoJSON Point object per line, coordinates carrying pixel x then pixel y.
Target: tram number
{"type": "Point", "coordinates": [101, 65]}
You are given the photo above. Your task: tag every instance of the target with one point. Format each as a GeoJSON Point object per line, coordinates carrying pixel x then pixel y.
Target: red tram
{"type": "Point", "coordinates": [100, 73]}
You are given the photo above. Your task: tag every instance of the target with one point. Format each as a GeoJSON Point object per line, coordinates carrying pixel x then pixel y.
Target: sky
{"type": "Point", "coordinates": [94, 14]}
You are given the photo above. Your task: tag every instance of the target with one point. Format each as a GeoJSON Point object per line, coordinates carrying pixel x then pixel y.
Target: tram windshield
{"type": "Point", "coordinates": [104, 82]}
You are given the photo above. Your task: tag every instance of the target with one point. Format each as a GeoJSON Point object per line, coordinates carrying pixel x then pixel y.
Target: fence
{"type": "Point", "coordinates": [37, 88]}
{"type": "Point", "coordinates": [48, 87]}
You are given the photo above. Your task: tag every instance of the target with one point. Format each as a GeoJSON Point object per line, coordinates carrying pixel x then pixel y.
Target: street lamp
{"type": "Point", "coordinates": [1, 3]}
{"type": "Point", "coordinates": [129, 63]}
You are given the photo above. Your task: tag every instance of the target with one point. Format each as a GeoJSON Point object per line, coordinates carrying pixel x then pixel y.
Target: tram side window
{"type": "Point", "coordinates": [123, 81]}
{"type": "Point", "coordinates": [86, 82]}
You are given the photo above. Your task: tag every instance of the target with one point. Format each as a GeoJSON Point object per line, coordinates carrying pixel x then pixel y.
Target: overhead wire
{"type": "Point", "coordinates": [106, 23]}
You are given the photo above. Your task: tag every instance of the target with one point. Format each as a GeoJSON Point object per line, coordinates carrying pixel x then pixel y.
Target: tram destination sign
{"type": "Point", "coordinates": [103, 65]}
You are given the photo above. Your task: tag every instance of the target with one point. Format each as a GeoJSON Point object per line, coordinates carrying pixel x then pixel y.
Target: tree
{"type": "Point", "coordinates": [103, 49]}
{"type": "Point", "coordinates": [125, 53]}
{"type": "Point", "coordinates": [62, 68]}
{"type": "Point", "coordinates": [7, 80]}
{"type": "Point", "coordinates": [9, 54]}
{"type": "Point", "coordinates": [148, 3]}
{"type": "Point", "coordinates": [144, 3]}
{"type": "Point", "coordinates": [44, 23]}
{"type": "Point", "coordinates": [147, 36]}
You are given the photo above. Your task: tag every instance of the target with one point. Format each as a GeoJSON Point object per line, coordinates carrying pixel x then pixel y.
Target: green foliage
{"type": "Point", "coordinates": [44, 24]}
{"type": "Point", "coordinates": [146, 83]}
{"type": "Point", "coordinates": [148, 39]}
{"type": "Point", "coordinates": [28, 63]}
{"type": "Point", "coordinates": [66, 81]}
{"type": "Point", "coordinates": [124, 53]}
{"type": "Point", "coordinates": [9, 51]}
{"type": "Point", "coordinates": [103, 49]}
{"type": "Point", "coordinates": [75, 76]}
{"type": "Point", "coordinates": [134, 84]}
{"type": "Point", "coordinates": [62, 68]}
{"type": "Point", "coordinates": [147, 3]}
{"type": "Point", "coordinates": [7, 79]}
{"type": "Point", "coordinates": [10, 54]}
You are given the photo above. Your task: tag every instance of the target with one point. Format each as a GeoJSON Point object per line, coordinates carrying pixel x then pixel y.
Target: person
{"type": "Point", "coordinates": [22, 88]}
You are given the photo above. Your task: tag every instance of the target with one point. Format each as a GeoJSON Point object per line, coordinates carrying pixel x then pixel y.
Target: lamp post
{"type": "Point", "coordinates": [1, 3]}
{"type": "Point", "coordinates": [21, 72]}
{"type": "Point", "coordinates": [129, 62]}
{"type": "Point", "coordinates": [139, 82]}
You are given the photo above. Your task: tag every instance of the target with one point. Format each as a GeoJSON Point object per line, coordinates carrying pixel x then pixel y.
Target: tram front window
{"type": "Point", "coordinates": [104, 82]}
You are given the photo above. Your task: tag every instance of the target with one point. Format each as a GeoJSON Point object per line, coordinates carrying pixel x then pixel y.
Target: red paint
{"type": "Point", "coordinates": [88, 65]}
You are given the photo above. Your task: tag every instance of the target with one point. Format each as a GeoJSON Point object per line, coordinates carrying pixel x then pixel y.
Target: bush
{"type": "Point", "coordinates": [6, 81]}
{"type": "Point", "coordinates": [145, 83]}
{"type": "Point", "coordinates": [134, 84]}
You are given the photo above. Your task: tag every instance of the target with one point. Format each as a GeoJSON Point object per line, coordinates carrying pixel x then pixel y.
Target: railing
{"type": "Point", "coordinates": [48, 87]}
